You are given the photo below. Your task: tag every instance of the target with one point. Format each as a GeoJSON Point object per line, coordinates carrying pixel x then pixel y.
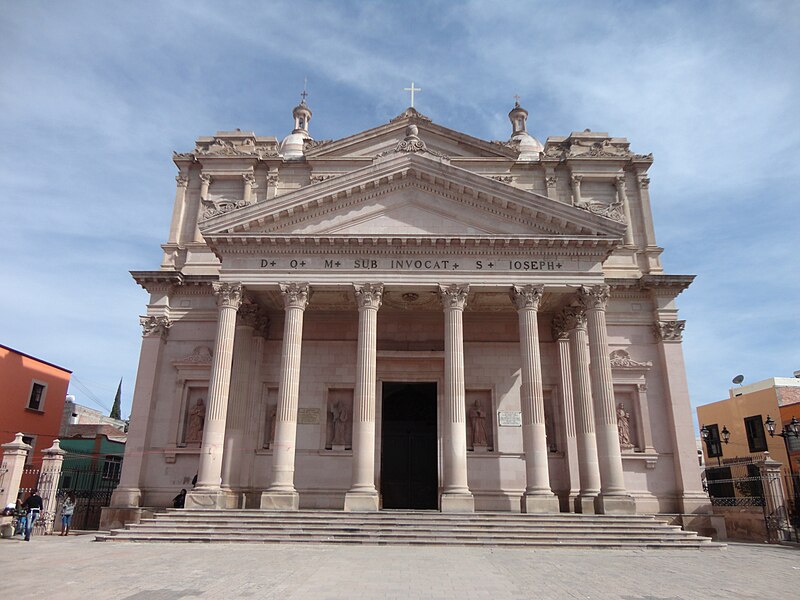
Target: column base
{"type": "Point", "coordinates": [457, 503]}
{"type": "Point", "coordinates": [112, 517]}
{"type": "Point", "coordinates": [126, 498]}
{"type": "Point", "coordinates": [615, 505]}
{"type": "Point", "coordinates": [361, 502]}
{"type": "Point", "coordinates": [214, 499]}
{"type": "Point", "coordinates": [695, 504]}
{"type": "Point", "coordinates": [280, 500]}
{"type": "Point", "coordinates": [539, 503]}
{"type": "Point", "coordinates": [585, 505]}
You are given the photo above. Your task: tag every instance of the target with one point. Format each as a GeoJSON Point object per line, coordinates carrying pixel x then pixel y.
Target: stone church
{"type": "Point", "coordinates": [410, 317]}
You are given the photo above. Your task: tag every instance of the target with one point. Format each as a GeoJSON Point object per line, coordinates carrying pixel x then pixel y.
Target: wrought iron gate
{"type": "Point", "coordinates": [93, 482]}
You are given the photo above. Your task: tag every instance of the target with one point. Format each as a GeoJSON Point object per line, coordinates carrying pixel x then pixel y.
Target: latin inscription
{"type": "Point", "coordinates": [412, 264]}
{"type": "Point", "coordinates": [509, 418]}
{"type": "Point", "coordinates": [308, 416]}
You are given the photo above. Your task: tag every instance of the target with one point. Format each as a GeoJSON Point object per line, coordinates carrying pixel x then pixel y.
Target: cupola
{"type": "Point", "coordinates": [528, 146]}
{"type": "Point", "coordinates": [292, 144]}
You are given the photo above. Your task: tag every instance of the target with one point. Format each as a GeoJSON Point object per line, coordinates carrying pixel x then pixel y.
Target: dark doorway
{"type": "Point", "coordinates": [409, 471]}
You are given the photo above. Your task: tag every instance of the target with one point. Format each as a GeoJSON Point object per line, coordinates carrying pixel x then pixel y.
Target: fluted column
{"type": "Point", "coordinates": [588, 468]}
{"type": "Point", "coordinates": [561, 337]}
{"type": "Point", "coordinates": [538, 496]}
{"type": "Point", "coordinates": [254, 419]}
{"type": "Point", "coordinates": [207, 493]}
{"type": "Point", "coordinates": [613, 497]}
{"type": "Point", "coordinates": [362, 494]}
{"type": "Point", "coordinates": [622, 197]}
{"type": "Point", "coordinates": [456, 496]}
{"type": "Point", "coordinates": [281, 494]}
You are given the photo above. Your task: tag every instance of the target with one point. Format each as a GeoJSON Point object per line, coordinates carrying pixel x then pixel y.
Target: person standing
{"type": "Point", "coordinates": [33, 506]}
{"type": "Point", "coordinates": [67, 510]}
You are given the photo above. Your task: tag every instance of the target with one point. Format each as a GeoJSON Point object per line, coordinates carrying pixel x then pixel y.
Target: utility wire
{"type": "Point", "coordinates": [89, 394]}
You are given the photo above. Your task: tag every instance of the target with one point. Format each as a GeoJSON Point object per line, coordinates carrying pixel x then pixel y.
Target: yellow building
{"type": "Point", "coordinates": [742, 419]}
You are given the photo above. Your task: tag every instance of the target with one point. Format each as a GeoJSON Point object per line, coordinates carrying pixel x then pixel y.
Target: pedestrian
{"type": "Point", "coordinates": [33, 506]}
{"type": "Point", "coordinates": [180, 500]}
{"type": "Point", "coordinates": [67, 509]}
{"type": "Point", "coordinates": [21, 519]}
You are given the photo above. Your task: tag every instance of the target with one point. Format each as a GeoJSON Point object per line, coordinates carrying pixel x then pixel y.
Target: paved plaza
{"type": "Point", "coordinates": [77, 567]}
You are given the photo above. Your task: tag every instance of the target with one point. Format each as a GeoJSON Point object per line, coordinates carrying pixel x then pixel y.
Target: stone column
{"type": "Point", "coordinates": [249, 186]}
{"type": "Point", "coordinates": [362, 494]}
{"type": "Point", "coordinates": [613, 497]}
{"type": "Point", "coordinates": [551, 182]}
{"type": "Point", "coordinates": [538, 497]}
{"type": "Point", "coordinates": [208, 493]}
{"type": "Point", "coordinates": [456, 496]}
{"type": "Point", "coordinates": [248, 319]}
{"type": "Point", "coordinates": [128, 495]}
{"type": "Point", "coordinates": [254, 420]}
{"type": "Point", "coordinates": [692, 499]}
{"type": "Point", "coordinates": [52, 460]}
{"type": "Point", "coordinates": [626, 207]}
{"type": "Point", "coordinates": [14, 455]}
{"type": "Point", "coordinates": [561, 337]}
{"type": "Point", "coordinates": [778, 528]}
{"type": "Point", "coordinates": [647, 213]}
{"type": "Point", "coordinates": [272, 184]}
{"type": "Point", "coordinates": [205, 183]}
{"type": "Point", "coordinates": [281, 494]}
{"type": "Point", "coordinates": [588, 467]}
{"type": "Point", "coordinates": [178, 209]}
{"type": "Point", "coordinates": [576, 189]}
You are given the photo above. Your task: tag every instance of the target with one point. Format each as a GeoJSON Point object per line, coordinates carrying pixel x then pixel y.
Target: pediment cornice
{"type": "Point", "coordinates": [475, 192]}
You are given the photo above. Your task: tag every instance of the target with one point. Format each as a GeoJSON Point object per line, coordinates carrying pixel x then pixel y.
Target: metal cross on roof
{"type": "Point", "coordinates": [516, 97]}
{"type": "Point", "coordinates": [412, 89]}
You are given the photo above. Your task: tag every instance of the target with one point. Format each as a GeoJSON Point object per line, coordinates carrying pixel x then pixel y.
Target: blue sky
{"type": "Point", "coordinates": [95, 96]}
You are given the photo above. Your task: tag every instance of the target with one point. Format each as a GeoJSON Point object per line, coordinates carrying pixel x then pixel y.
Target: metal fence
{"type": "Point", "coordinates": [93, 483]}
{"type": "Point", "coordinates": [736, 484]}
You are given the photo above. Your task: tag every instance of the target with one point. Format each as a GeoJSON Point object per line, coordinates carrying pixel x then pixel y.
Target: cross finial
{"type": "Point", "coordinates": [412, 89]}
{"type": "Point", "coordinates": [516, 99]}
{"type": "Point", "coordinates": [304, 93]}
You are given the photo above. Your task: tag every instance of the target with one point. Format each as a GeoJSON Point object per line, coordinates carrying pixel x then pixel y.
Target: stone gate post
{"type": "Point", "coordinates": [774, 500]}
{"type": "Point", "coordinates": [48, 483]}
{"type": "Point", "coordinates": [14, 455]}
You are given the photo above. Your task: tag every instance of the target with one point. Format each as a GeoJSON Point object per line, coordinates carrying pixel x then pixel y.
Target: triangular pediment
{"type": "Point", "coordinates": [383, 138]}
{"type": "Point", "coordinates": [412, 194]}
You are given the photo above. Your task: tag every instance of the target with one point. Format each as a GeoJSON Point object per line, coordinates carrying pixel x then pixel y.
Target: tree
{"type": "Point", "coordinates": [116, 409]}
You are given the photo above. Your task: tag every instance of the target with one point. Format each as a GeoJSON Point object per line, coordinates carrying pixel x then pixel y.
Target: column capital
{"type": "Point", "coordinates": [369, 295]}
{"type": "Point", "coordinates": [527, 296]}
{"type": "Point", "coordinates": [669, 331]}
{"type": "Point", "coordinates": [295, 295]}
{"type": "Point", "coordinates": [575, 318]}
{"type": "Point", "coordinates": [644, 182]}
{"type": "Point", "coordinates": [454, 296]}
{"type": "Point", "coordinates": [251, 315]}
{"type": "Point", "coordinates": [155, 326]}
{"type": "Point", "coordinates": [619, 182]}
{"type": "Point", "coordinates": [229, 295]}
{"type": "Point", "coordinates": [559, 328]}
{"type": "Point", "coordinates": [595, 297]}
{"type": "Point", "coordinates": [183, 180]}
{"type": "Point", "coordinates": [576, 180]}
{"type": "Point", "coordinates": [551, 181]}
{"type": "Point", "coordinates": [249, 178]}
{"type": "Point", "coordinates": [205, 178]}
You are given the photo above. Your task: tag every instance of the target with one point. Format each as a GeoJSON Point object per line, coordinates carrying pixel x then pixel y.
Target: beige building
{"type": "Point", "coordinates": [411, 317]}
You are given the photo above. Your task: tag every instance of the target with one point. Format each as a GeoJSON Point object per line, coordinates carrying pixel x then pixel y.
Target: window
{"type": "Point", "coordinates": [112, 467]}
{"type": "Point", "coordinates": [31, 441]}
{"type": "Point", "coordinates": [712, 443]}
{"type": "Point", "coordinates": [36, 400]}
{"type": "Point", "coordinates": [756, 438]}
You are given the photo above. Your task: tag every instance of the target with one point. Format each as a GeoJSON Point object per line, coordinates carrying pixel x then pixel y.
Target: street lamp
{"type": "Point", "coordinates": [705, 433]}
{"type": "Point", "coordinates": [790, 430]}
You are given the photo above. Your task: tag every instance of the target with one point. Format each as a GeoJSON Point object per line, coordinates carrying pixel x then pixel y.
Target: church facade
{"type": "Point", "coordinates": [412, 318]}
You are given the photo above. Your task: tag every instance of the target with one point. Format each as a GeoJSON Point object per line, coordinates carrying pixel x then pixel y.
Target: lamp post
{"type": "Point", "coordinates": [705, 433]}
{"type": "Point", "coordinates": [790, 430]}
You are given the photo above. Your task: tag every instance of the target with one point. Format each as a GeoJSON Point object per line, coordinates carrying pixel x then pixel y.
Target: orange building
{"type": "Point", "coordinates": [744, 416]}
{"type": "Point", "coordinates": [32, 395]}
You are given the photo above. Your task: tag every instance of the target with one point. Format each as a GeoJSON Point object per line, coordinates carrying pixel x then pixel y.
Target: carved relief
{"type": "Point", "coordinates": [152, 326]}
{"type": "Point", "coordinates": [183, 180]}
{"type": "Point", "coordinates": [613, 211]}
{"type": "Point", "coordinates": [201, 355]}
{"type": "Point", "coordinates": [624, 427]}
{"type": "Point", "coordinates": [575, 317]}
{"type": "Point", "coordinates": [251, 315]}
{"type": "Point", "coordinates": [480, 431]}
{"type": "Point", "coordinates": [321, 178]}
{"type": "Point", "coordinates": [621, 359]}
{"type": "Point", "coordinates": [238, 147]}
{"type": "Point", "coordinates": [412, 143]}
{"type": "Point", "coordinates": [369, 295]}
{"type": "Point", "coordinates": [558, 327]}
{"type": "Point", "coordinates": [503, 178]}
{"type": "Point", "coordinates": [410, 113]}
{"type": "Point", "coordinates": [551, 181]}
{"type": "Point", "coordinates": [295, 295]}
{"type": "Point", "coordinates": [644, 182]}
{"type": "Point", "coordinates": [195, 423]}
{"type": "Point", "coordinates": [270, 395]}
{"type": "Point", "coordinates": [669, 331]}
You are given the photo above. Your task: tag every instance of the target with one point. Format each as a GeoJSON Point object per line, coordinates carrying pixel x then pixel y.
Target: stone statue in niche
{"type": "Point", "coordinates": [477, 425]}
{"type": "Point", "coordinates": [339, 417]}
{"type": "Point", "coordinates": [624, 427]}
{"type": "Point", "coordinates": [196, 423]}
{"type": "Point", "coordinates": [273, 418]}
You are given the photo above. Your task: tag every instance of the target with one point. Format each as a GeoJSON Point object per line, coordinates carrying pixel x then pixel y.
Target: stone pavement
{"type": "Point", "coordinates": [77, 567]}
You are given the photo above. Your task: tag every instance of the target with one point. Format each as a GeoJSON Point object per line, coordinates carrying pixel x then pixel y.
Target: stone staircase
{"type": "Point", "coordinates": [401, 527]}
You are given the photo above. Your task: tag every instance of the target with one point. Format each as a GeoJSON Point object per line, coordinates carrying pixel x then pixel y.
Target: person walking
{"type": "Point", "coordinates": [67, 510]}
{"type": "Point", "coordinates": [33, 506]}
{"type": "Point", "coordinates": [21, 518]}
